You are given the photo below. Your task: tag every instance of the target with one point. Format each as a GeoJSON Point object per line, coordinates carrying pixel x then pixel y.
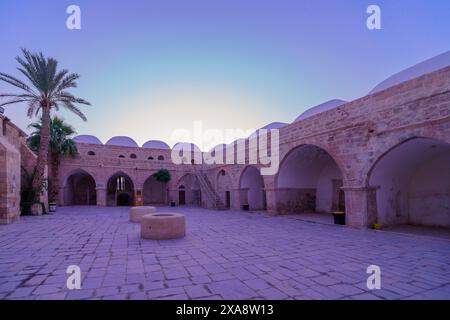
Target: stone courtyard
{"type": "Point", "coordinates": [225, 255]}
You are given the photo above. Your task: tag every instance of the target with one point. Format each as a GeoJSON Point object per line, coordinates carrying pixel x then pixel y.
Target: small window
{"type": "Point", "coordinates": [150, 158]}
{"type": "Point", "coordinates": [91, 153]}
{"type": "Point", "coordinates": [161, 158]}
{"type": "Point", "coordinates": [133, 156]}
{"type": "Point", "coordinates": [121, 156]}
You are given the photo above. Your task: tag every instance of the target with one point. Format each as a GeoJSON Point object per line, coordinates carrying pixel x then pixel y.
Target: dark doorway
{"type": "Point", "coordinates": [228, 199]}
{"type": "Point", "coordinates": [120, 191]}
{"type": "Point", "coordinates": [182, 197]}
{"type": "Point", "coordinates": [123, 199]}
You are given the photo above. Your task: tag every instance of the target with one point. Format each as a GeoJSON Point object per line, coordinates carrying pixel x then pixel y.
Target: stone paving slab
{"type": "Point", "coordinates": [225, 255]}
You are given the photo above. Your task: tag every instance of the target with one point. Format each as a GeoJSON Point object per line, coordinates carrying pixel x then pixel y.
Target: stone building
{"type": "Point", "coordinates": [14, 155]}
{"type": "Point", "coordinates": [384, 158]}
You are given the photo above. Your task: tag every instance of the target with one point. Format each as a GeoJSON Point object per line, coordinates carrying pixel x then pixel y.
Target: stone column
{"type": "Point", "coordinates": [237, 198]}
{"type": "Point", "coordinates": [360, 206]}
{"type": "Point", "coordinates": [62, 191]}
{"type": "Point", "coordinates": [172, 195]}
{"type": "Point", "coordinates": [101, 196]}
{"type": "Point", "coordinates": [271, 201]}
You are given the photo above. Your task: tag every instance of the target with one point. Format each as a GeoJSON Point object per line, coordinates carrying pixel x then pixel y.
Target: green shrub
{"type": "Point", "coordinates": [162, 175]}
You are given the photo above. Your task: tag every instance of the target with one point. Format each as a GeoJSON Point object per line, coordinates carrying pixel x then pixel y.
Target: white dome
{"type": "Point", "coordinates": [122, 141]}
{"type": "Point", "coordinates": [274, 125]}
{"type": "Point", "coordinates": [439, 62]}
{"type": "Point", "coordinates": [155, 144]}
{"type": "Point", "coordinates": [269, 127]}
{"type": "Point", "coordinates": [186, 146]}
{"type": "Point", "coordinates": [84, 138]}
{"type": "Point", "coordinates": [320, 108]}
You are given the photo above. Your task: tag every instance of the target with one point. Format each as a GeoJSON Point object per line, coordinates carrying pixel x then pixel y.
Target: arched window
{"type": "Point", "coordinates": [120, 183]}
{"type": "Point", "coordinates": [160, 158]}
{"type": "Point", "coordinates": [121, 156]}
{"type": "Point", "coordinates": [150, 158]}
{"type": "Point", "coordinates": [133, 156]}
{"type": "Point", "coordinates": [91, 153]}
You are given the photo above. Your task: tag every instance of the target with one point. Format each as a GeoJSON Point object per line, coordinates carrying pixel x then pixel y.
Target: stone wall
{"type": "Point", "coordinates": [13, 154]}
{"type": "Point", "coordinates": [356, 135]}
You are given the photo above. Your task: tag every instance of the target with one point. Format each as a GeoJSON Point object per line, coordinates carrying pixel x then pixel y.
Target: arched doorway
{"type": "Point", "coordinates": [120, 190]}
{"type": "Point", "coordinates": [181, 195]}
{"type": "Point", "coordinates": [189, 192]}
{"type": "Point", "coordinates": [154, 191]}
{"type": "Point", "coordinates": [251, 186]}
{"type": "Point", "coordinates": [80, 189]}
{"type": "Point", "coordinates": [412, 183]}
{"type": "Point", "coordinates": [309, 180]}
{"type": "Point", "coordinates": [223, 187]}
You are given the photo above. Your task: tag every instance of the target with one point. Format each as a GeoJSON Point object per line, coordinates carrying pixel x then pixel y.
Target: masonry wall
{"type": "Point", "coordinates": [13, 154]}
{"type": "Point", "coordinates": [429, 194]}
{"type": "Point", "coordinates": [356, 135]}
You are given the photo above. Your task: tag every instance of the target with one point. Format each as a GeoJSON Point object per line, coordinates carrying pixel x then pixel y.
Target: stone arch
{"type": "Point", "coordinates": [120, 190]}
{"type": "Point", "coordinates": [412, 183]}
{"type": "Point", "coordinates": [154, 192]}
{"type": "Point", "coordinates": [251, 188]}
{"type": "Point", "coordinates": [79, 188]}
{"type": "Point", "coordinates": [309, 180]}
{"type": "Point", "coordinates": [189, 191]}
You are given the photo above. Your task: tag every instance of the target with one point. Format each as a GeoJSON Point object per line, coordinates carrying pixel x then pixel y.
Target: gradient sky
{"type": "Point", "coordinates": [151, 66]}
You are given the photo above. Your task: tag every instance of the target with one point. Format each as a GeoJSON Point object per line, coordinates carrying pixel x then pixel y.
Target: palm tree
{"type": "Point", "coordinates": [45, 92]}
{"type": "Point", "coordinates": [61, 144]}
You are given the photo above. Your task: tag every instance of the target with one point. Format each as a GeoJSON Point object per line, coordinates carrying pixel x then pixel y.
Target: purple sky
{"type": "Point", "coordinates": [150, 67]}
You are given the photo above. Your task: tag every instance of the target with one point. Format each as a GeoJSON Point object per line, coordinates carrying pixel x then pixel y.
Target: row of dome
{"type": "Point", "coordinates": [122, 141]}
{"type": "Point", "coordinates": [427, 66]}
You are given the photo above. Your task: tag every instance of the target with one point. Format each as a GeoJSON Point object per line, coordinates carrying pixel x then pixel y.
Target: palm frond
{"type": "Point", "coordinates": [68, 82]}
{"type": "Point", "coordinates": [13, 101]}
{"type": "Point", "coordinates": [69, 106]}
{"type": "Point", "coordinates": [46, 87]}
{"type": "Point", "coordinates": [15, 82]}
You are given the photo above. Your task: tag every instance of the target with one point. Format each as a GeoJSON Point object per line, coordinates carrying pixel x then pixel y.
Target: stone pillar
{"type": "Point", "coordinates": [101, 196]}
{"type": "Point", "coordinates": [9, 182]}
{"type": "Point", "coordinates": [360, 206]}
{"type": "Point", "coordinates": [271, 201]}
{"type": "Point", "coordinates": [62, 191]}
{"type": "Point", "coordinates": [172, 195]}
{"type": "Point", "coordinates": [237, 198]}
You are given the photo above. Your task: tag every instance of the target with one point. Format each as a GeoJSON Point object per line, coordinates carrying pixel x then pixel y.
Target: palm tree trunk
{"type": "Point", "coordinates": [55, 177]}
{"type": "Point", "coordinates": [38, 181]}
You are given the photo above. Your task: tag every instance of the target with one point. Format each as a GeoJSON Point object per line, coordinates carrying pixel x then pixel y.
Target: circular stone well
{"type": "Point", "coordinates": [163, 226]}
{"type": "Point", "coordinates": [136, 213]}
